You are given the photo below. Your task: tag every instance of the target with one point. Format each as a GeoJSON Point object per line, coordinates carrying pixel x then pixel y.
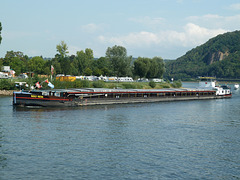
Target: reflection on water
{"type": "Point", "coordinates": [165, 140]}
{"type": "Point", "coordinates": [2, 153]}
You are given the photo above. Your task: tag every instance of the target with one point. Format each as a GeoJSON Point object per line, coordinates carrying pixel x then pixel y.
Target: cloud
{"type": "Point", "coordinates": [192, 35]}
{"type": "Point", "coordinates": [195, 34]}
{"type": "Point", "coordinates": [91, 28]}
{"type": "Point", "coordinates": [216, 21]}
{"type": "Point", "coordinates": [135, 39]}
{"type": "Point", "coordinates": [73, 50]}
{"type": "Point", "coordinates": [235, 6]}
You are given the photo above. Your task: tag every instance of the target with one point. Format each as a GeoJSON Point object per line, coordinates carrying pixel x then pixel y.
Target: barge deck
{"type": "Point", "coordinates": [101, 96]}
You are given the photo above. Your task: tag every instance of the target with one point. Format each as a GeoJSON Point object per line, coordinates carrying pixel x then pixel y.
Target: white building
{"type": "Point", "coordinates": [6, 69]}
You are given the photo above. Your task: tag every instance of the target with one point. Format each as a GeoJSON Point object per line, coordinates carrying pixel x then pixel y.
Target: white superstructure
{"type": "Point", "coordinates": [207, 82]}
{"type": "Point", "coordinates": [210, 83]}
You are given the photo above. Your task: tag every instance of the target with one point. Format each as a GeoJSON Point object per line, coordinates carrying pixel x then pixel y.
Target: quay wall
{"type": "Point", "coordinates": [6, 92]}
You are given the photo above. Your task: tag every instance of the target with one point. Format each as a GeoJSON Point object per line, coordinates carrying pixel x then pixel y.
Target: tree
{"type": "Point", "coordinates": [97, 72]}
{"type": "Point", "coordinates": [1, 62]}
{"type": "Point", "coordinates": [119, 61]}
{"type": "Point", "coordinates": [84, 59]}
{"type": "Point", "coordinates": [141, 66]}
{"type": "Point", "coordinates": [74, 67]}
{"type": "Point", "coordinates": [56, 64]}
{"type": "Point", "coordinates": [105, 71]}
{"type": "Point", "coordinates": [0, 32]}
{"type": "Point", "coordinates": [11, 54]}
{"type": "Point", "coordinates": [87, 71]}
{"type": "Point", "coordinates": [101, 66]}
{"type": "Point", "coordinates": [160, 65]}
{"type": "Point", "coordinates": [74, 70]}
{"type": "Point", "coordinates": [17, 65]}
{"type": "Point", "coordinates": [36, 65]}
{"type": "Point", "coordinates": [101, 63]}
{"type": "Point", "coordinates": [89, 53]}
{"type": "Point", "coordinates": [153, 69]}
{"type": "Point", "coordinates": [16, 60]}
{"type": "Point", "coordinates": [62, 49]}
{"type": "Point", "coordinates": [63, 59]}
{"type": "Point", "coordinates": [66, 66]}
{"type": "Point", "coordinates": [150, 68]}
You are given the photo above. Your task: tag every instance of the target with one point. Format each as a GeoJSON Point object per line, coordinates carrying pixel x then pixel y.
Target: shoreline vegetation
{"type": "Point", "coordinates": [7, 86]}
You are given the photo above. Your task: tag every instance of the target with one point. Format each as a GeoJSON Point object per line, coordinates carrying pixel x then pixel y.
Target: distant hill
{"type": "Point", "coordinates": [219, 56]}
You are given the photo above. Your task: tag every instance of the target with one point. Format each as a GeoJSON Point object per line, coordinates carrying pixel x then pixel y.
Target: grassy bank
{"type": "Point", "coordinates": [10, 84]}
{"type": "Point", "coordinates": [114, 85]}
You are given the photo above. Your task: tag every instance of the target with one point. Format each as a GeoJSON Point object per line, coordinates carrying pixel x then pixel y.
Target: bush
{"type": "Point", "coordinates": [85, 83]}
{"type": "Point", "coordinates": [111, 85]}
{"type": "Point", "coordinates": [128, 86]}
{"type": "Point", "coordinates": [152, 84]}
{"type": "Point", "coordinates": [98, 84]}
{"type": "Point", "coordinates": [139, 86]}
{"type": "Point", "coordinates": [6, 84]}
{"type": "Point", "coordinates": [165, 86]}
{"type": "Point", "coordinates": [68, 84]}
{"type": "Point", "coordinates": [177, 84]}
{"type": "Point", "coordinates": [77, 84]}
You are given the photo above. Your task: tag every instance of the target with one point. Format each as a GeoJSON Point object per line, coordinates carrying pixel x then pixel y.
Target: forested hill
{"type": "Point", "coordinates": [219, 56]}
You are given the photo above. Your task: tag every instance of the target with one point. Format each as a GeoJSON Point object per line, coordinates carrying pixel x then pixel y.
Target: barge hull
{"type": "Point", "coordinates": [72, 99]}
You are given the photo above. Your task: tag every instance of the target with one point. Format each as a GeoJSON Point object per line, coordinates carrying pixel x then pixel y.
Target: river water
{"type": "Point", "coordinates": [164, 140]}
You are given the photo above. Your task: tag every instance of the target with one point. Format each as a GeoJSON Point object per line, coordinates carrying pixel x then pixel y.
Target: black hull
{"type": "Point", "coordinates": [102, 98]}
{"type": "Point", "coordinates": [27, 102]}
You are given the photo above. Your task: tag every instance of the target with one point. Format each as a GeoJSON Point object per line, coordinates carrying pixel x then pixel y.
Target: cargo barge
{"type": "Point", "coordinates": [101, 96]}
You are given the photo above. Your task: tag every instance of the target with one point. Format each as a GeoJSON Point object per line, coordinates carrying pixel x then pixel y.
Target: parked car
{"type": "Point", "coordinates": [23, 76]}
{"type": "Point", "coordinates": [4, 75]}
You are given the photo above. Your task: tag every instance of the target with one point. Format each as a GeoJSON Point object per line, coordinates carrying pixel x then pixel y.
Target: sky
{"type": "Point", "coordinates": [146, 28]}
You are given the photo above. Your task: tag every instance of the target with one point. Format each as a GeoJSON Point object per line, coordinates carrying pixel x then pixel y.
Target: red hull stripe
{"type": "Point", "coordinates": [45, 99]}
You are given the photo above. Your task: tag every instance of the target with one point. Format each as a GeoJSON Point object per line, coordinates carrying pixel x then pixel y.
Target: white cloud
{"type": "Point", "coordinates": [91, 28]}
{"type": "Point", "coordinates": [73, 50]}
{"type": "Point", "coordinates": [136, 39]}
{"type": "Point", "coordinates": [235, 6]}
{"type": "Point", "coordinates": [197, 35]}
{"type": "Point", "coordinates": [192, 35]}
{"type": "Point", "coordinates": [216, 21]}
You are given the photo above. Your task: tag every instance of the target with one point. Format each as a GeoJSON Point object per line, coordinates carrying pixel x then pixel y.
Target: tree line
{"type": "Point", "coordinates": [115, 63]}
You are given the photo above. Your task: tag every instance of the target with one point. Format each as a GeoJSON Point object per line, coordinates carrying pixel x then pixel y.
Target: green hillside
{"type": "Point", "coordinates": [220, 57]}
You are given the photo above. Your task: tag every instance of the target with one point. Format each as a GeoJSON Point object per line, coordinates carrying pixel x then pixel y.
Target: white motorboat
{"type": "Point", "coordinates": [236, 86]}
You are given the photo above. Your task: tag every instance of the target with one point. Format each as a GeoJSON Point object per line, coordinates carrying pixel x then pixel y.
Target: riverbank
{"type": "Point", "coordinates": [6, 92]}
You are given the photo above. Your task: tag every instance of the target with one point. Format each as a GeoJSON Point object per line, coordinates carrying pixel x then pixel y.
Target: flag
{"type": "Point", "coordinates": [38, 85]}
{"type": "Point", "coordinates": [52, 69]}
{"type": "Point", "coordinates": [46, 81]}
{"type": "Point", "coordinates": [50, 85]}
